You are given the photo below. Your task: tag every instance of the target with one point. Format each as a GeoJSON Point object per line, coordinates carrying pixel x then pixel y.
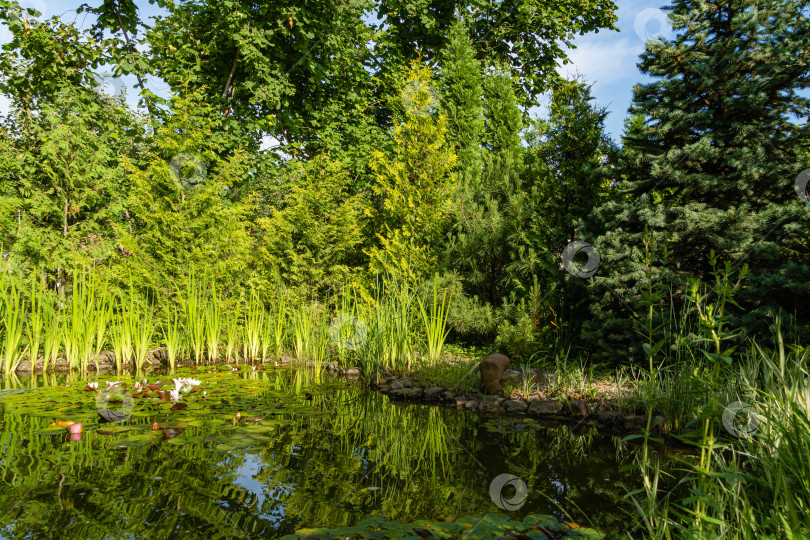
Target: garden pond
{"type": "Point", "coordinates": [268, 453]}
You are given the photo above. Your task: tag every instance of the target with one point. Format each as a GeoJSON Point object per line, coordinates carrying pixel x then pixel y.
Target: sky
{"type": "Point", "coordinates": [607, 59]}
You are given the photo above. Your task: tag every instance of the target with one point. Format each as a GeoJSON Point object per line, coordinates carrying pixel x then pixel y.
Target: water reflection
{"type": "Point", "coordinates": [333, 455]}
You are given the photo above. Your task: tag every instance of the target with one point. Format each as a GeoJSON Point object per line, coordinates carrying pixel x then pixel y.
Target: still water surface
{"type": "Point", "coordinates": [303, 451]}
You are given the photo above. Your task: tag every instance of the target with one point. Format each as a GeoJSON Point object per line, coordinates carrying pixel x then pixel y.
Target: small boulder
{"type": "Point", "coordinates": [412, 393]}
{"type": "Point", "coordinates": [433, 393]}
{"type": "Point", "coordinates": [544, 407]}
{"type": "Point", "coordinates": [24, 367]}
{"type": "Point", "coordinates": [490, 404]}
{"type": "Point", "coordinates": [471, 405]}
{"type": "Point", "coordinates": [512, 375]}
{"type": "Point", "coordinates": [449, 395]}
{"type": "Point", "coordinates": [384, 388]}
{"type": "Point", "coordinates": [609, 417]}
{"type": "Point", "coordinates": [536, 396]}
{"type": "Point", "coordinates": [353, 373]}
{"type": "Point", "coordinates": [401, 383]}
{"type": "Point", "coordinates": [579, 408]}
{"type": "Point", "coordinates": [492, 368]}
{"type": "Point", "coordinates": [637, 422]}
{"type": "Point", "coordinates": [514, 405]}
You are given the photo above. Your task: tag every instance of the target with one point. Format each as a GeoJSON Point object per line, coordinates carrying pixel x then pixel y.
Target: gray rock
{"type": "Point", "coordinates": [536, 396]}
{"type": "Point", "coordinates": [512, 375]}
{"type": "Point", "coordinates": [544, 407]}
{"type": "Point", "coordinates": [353, 373]}
{"type": "Point", "coordinates": [490, 404]}
{"type": "Point", "coordinates": [24, 367]}
{"type": "Point", "coordinates": [513, 405]}
{"type": "Point", "coordinates": [460, 401]}
{"type": "Point", "coordinates": [636, 422]}
{"type": "Point", "coordinates": [433, 392]}
{"type": "Point", "coordinates": [609, 417]}
{"type": "Point", "coordinates": [471, 405]}
{"type": "Point", "coordinates": [384, 388]}
{"type": "Point", "coordinates": [412, 393]}
{"type": "Point", "coordinates": [449, 395]}
{"type": "Point", "coordinates": [401, 383]}
{"type": "Point", "coordinates": [579, 408]}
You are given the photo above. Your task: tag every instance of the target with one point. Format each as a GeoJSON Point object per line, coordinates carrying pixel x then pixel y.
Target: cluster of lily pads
{"type": "Point", "coordinates": [234, 410]}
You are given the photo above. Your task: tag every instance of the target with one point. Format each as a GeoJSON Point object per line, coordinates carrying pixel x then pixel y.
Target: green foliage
{"type": "Point", "coordinates": [314, 238]}
{"type": "Point", "coordinates": [415, 185]}
{"type": "Point", "coordinates": [181, 216]}
{"type": "Point", "coordinates": [712, 166]}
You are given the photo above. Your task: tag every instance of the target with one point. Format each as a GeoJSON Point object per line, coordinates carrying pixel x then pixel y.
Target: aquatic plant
{"type": "Point", "coordinates": [213, 323]}
{"type": "Point", "coordinates": [434, 320]}
{"type": "Point", "coordinates": [13, 316]}
{"type": "Point", "coordinates": [172, 337]}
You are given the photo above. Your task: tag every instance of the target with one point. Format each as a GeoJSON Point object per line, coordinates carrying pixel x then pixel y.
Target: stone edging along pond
{"type": "Point", "coordinates": [398, 388]}
{"type": "Point", "coordinates": [603, 412]}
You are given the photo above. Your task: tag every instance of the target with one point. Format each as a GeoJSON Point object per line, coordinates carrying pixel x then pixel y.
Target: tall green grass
{"type": "Point", "coordinates": [195, 324]}
{"type": "Point", "coordinates": [13, 317]}
{"type": "Point", "coordinates": [434, 319]}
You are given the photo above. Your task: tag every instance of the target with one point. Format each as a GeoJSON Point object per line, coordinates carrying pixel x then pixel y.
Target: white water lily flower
{"type": "Point", "coordinates": [93, 385]}
{"type": "Point", "coordinates": [174, 394]}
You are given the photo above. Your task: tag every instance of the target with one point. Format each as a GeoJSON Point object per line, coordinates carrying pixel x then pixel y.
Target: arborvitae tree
{"type": "Point", "coordinates": [713, 167]}
{"type": "Point", "coordinates": [314, 239]}
{"type": "Point", "coordinates": [414, 185]}
{"type": "Point", "coordinates": [181, 217]}
{"type": "Point", "coordinates": [462, 101]}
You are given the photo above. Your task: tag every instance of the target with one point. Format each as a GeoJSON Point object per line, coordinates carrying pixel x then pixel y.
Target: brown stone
{"type": "Point", "coordinates": [609, 417]}
{"type": "Point", "coordinates": [412, 393]}
{"type": "Point", "coordinates": [24, 367]}
{"type": "Point", "coordinates": [490, 404]}
{"type": "Point", "coordinates": [544, 407]}
{"type": "Point", "coordinates": [492, 368]}
{"type": "Point", "coordinates": [353, 373]}
{"type": "Point", "coordinates": [402, 383]}
{"type": "Point", "coordinates": [579, 408]}
{"type": "Point", "coordinates": [638, 422]}
{"type": "Point", "coordinates": [433, 392]}
{"type": "Point", "coordinates": [514, 405]}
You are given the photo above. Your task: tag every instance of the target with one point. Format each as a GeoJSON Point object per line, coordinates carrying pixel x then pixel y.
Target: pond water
{"type": "Point", "coordinates": [265, 453]}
